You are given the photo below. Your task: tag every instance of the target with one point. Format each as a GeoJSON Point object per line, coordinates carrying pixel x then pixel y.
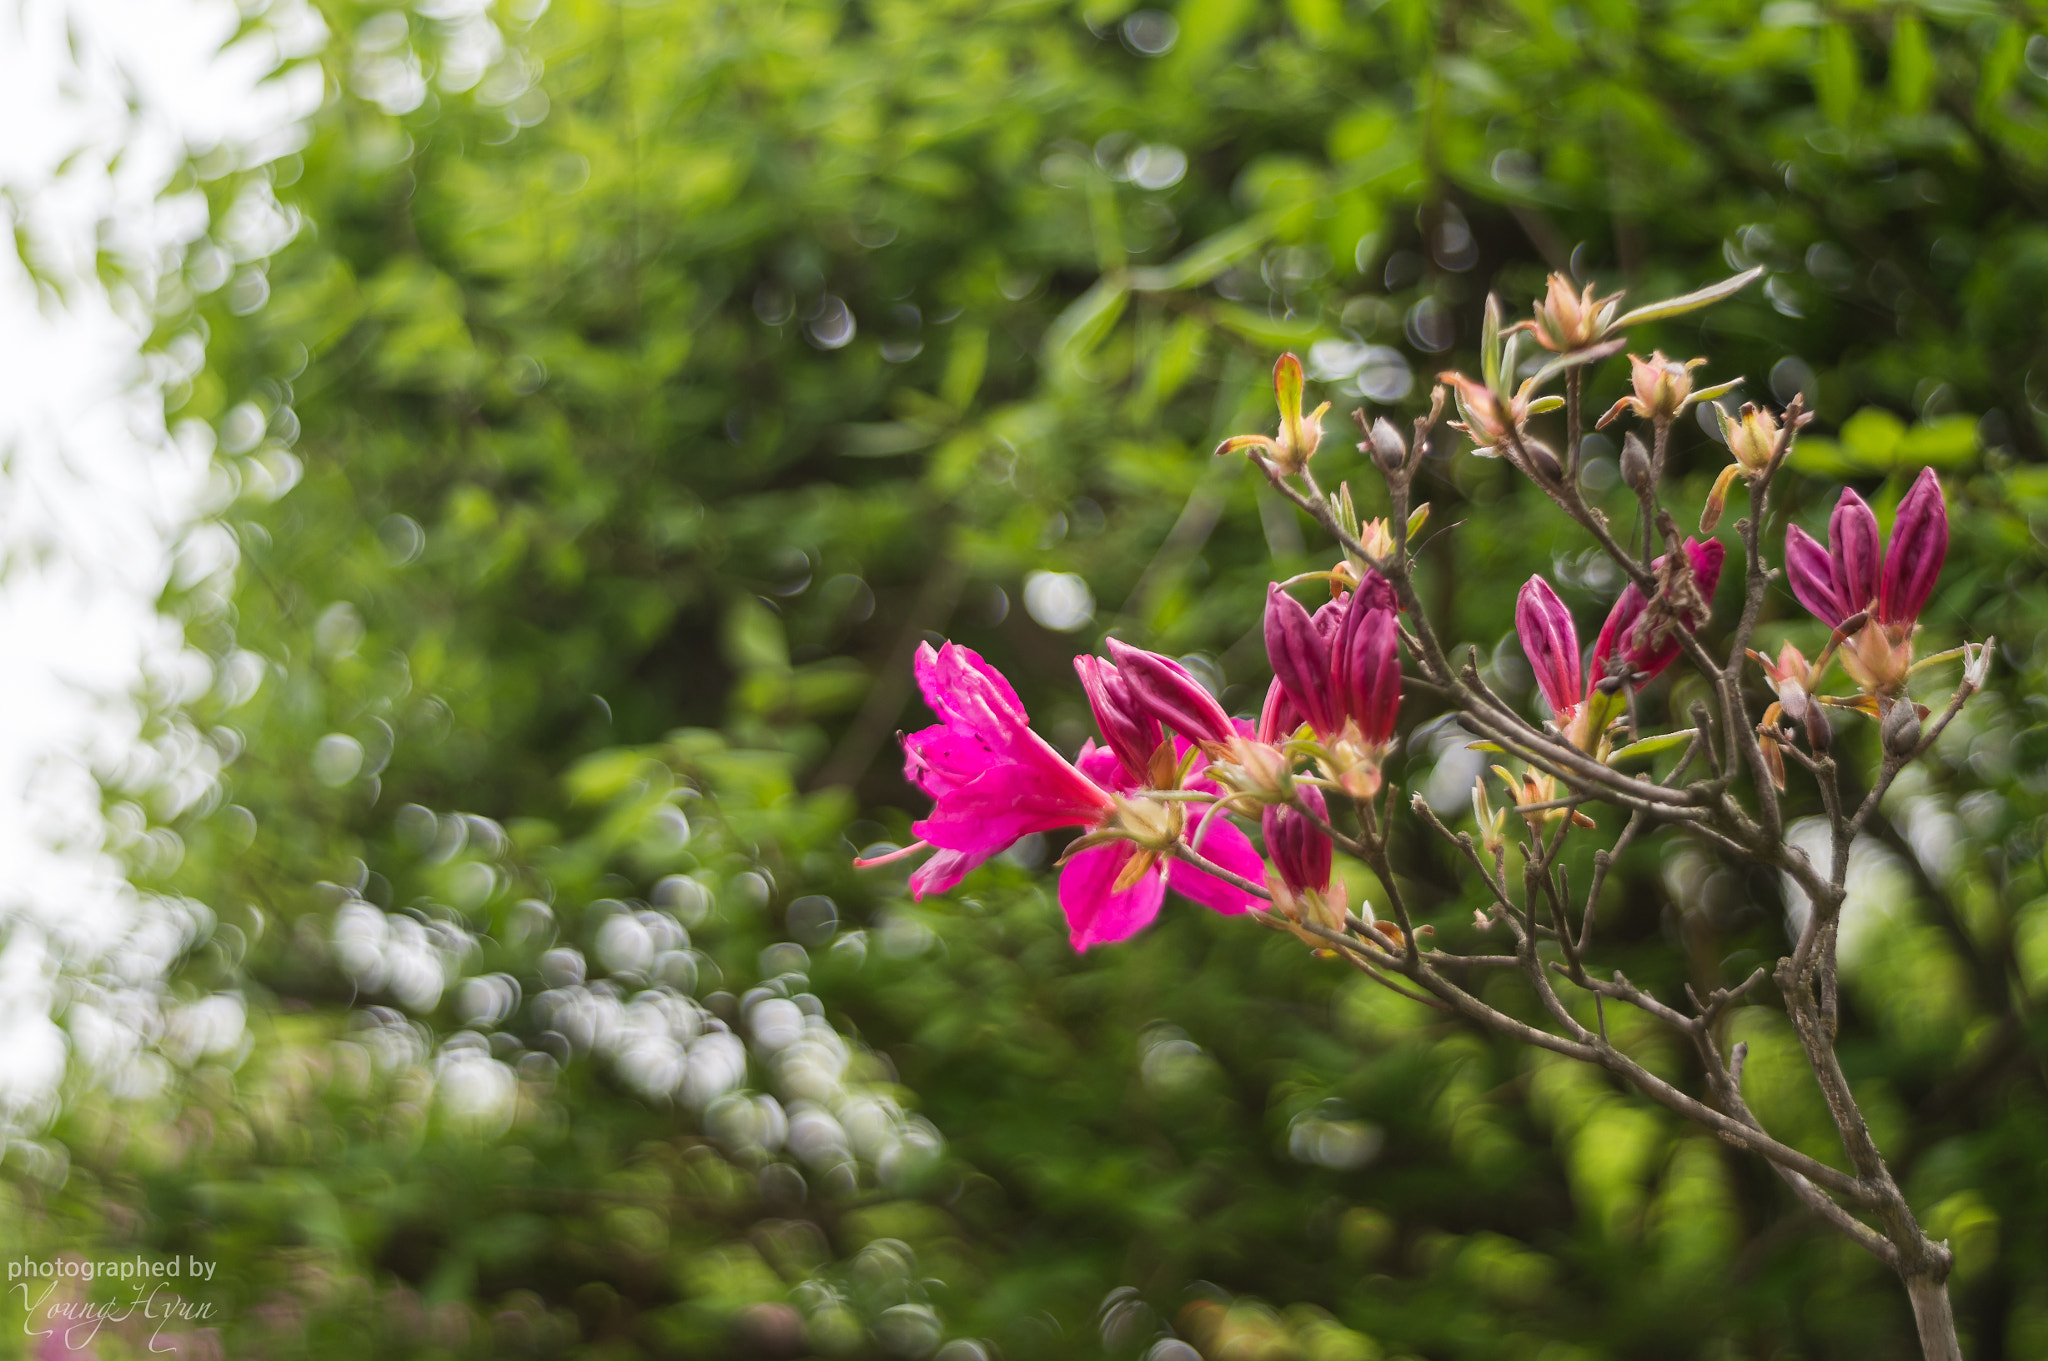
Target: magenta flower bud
{"type": "Point", "coordinates": [1279, 719]}
{"type": "Point", "coordinates": [1378, 592]}
{"type": "Point", "coordinates": [1854, 554]}
{"type": "Point", "coordinates": [1164, 689]}
{"type": "Point", "coordinates": [1811, 572]}
{"type": "Point", "coordinates": [1127, 726]}
{"type": "Point", "coordinates": [1329, 620]}
{"type": "Point", "coordinates": [1918, 548]}
{"type": "Point", "coordinates": [1301, 659]}
{"type": "Point", "coordinates": [1550, 642]}
{"type": "Point", "coordinates": [1366, 669]}
{"type": "Point", "coordinates": [1296, 847]}
{"type": "Point", "coordinates": [1622, 636]}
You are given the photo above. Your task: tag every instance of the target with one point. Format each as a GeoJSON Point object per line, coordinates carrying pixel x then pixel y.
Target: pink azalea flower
{"type": "Point", "coordinates": [1099, 914]}
{"type": "Point", "coordinates": [992, 780]}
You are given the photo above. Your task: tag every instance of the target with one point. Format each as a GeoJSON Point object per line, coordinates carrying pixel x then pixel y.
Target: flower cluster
{"type": "Point", "coordinates": [1156, 800]}
{"type": "Point", "coordinates": [1267, 819]}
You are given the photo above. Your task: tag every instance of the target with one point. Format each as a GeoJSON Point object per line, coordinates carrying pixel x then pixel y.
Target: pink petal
{"type": "Point", "coordinates": [1919, 547]}
{"type": "Point", "coordinates": [1231, 849]}
{"type": "Point", "coordinates": [942, 871]}
{"type": "Point", "coordinates": [1097, 916]}
{"type": "Point", "coordinates": [1550, 642]}
{"type": "Point", "coordinates": [1106, 768]}
{"type": "Point", "coordinates": [1811, 574]}
{"type": "Point", "coordinates": [1855, 558]}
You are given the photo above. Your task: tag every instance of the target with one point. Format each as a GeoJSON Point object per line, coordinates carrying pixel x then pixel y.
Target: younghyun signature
{"type": "Point", "coordinates": [75, 1323]}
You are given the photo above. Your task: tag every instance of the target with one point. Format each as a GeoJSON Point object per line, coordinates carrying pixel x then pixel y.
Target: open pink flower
{"type": "Point", "coordinates": [992, 779]}
{"type": "Point", "coordinates": [1099, 913]}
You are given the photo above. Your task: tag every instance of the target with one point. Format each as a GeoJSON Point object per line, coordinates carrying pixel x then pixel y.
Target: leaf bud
{"type": "Point", "coordinates": [1900, 728]}
{"type": "Point", "coordinates": [1820, 734]}
{"type": "Point", "coordinates": [1388, 449]}
{"type": "Point", "coordinates": [1635, 463]}
{"type": "Point", "coordinates": [1543, 460]}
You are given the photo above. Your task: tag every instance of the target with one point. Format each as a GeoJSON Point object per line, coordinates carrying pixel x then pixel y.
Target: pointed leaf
{"type": "Point", "coordinates": [1650, 746]}
{"type": "Point", "coordinates": [1205, 259]}
{"type": "Point", "coordinates": [1688, 302]}
{"type": "Point", "coordinates": [1592, 354]}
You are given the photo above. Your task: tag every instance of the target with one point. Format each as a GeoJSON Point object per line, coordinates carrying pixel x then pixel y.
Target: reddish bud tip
{"type": "Point", "coordinates": [1299, 851]}
{"type": "Point", "coordinates": [1919, 547]}
{"type": "Point", "coordinates": [1164, 689]}
{"type": "Point", "coordinates": [1855, 559]}
{"type": "Point", "coordinates": [1366, 670]}
{"type": "Point", "coordinates": [1551, 643]}
{"type": "Point", "coordinates": [1300, 655]}
{"type": "Point", "coordinates": [1129, 728]}
{"type": "Point", "coordinates": [1810, 571]}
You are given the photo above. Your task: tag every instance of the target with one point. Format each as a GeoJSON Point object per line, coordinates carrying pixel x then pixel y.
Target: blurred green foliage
{"type": "Point", "coordinates": [640, 383]}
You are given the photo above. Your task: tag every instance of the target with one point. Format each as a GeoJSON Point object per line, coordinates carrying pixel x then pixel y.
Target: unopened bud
{"type": "Point", "coordinates": [1542, 460]}
{"type": "Point", "coordinates": [1900, 728]}
{"type": "Point", "coordinates": [1635, 463]}
{"type": "Point", "coordinates": [1388, 450]}
{"type": "Point", "coordinates": [1717, 499]}
{"type": "Point", "coordinates": [1820, 734]}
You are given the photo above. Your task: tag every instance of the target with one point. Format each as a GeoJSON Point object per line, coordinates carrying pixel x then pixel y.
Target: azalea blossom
{"type": "Point", "coordinates": [1336, 668]}
{"type": "Point", "coordinates": [1635, 644]}
{"type": "Point", "coordinates": [993, 780]}
{"type": "Point", "coordinates": [1112, 891]}
{"type": "Point", "coordinates": [1870, 592]}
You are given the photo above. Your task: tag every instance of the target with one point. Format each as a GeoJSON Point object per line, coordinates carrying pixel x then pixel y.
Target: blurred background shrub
{"type": "Point", "coordinates": [608, 398]}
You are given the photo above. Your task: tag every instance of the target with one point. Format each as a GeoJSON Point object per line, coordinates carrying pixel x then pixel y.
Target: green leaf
{"type": "Point", "coordinates": [1592, 354]}
{"type": "Point", "coordinates": [1671, 307]}
{"type": "Point", "coordinates": [1206, 258]}
{"type": "Point", "coordinates": [1086, 321]}
{"type": "Point", "coordinates": [1838, 75]}
{"type": "Point", "coordinates": [1912, 65]}
{"type": "Point", "coordinates": [1265, 330]}
{"type": "Point", "coordinates": [1944, 442]}
{"type": "Point", "coordinates": [1650, 746]}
